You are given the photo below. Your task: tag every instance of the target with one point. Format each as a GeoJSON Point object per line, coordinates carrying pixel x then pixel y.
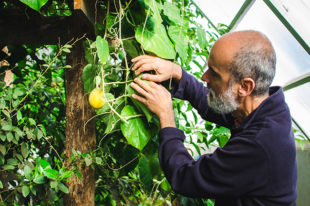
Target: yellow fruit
{"type": "Point", "coordinates": [96, 98]}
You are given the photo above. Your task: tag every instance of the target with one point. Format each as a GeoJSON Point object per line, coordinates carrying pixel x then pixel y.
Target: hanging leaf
{"type": "Point", "coordinates": [135, 131]}
{"type": "Point", "coordinates": [155, 8]}
{"type": "Point", "coordinates": [172, 12]}
{"type": "Point", "coordinates": [102, 49]}
{"type": "Point", "coordinates": [24, 150]}
{"type": "Point", "coordinates": [88, 76]}
{"type": "Point", "coordinates": [63, 188]}
{"type": "Point", "coordinates": [35, 4]}
{"type": "Point", "coordinates": [202, 41]}
{"type": "Point", "coordinates": [156, 41]}
{"type": "Point", "coordinates": [140, 106]}
{"type": "Point", "coordinates": [25, 190]}
{"type": "Point", "coordinates": [180, 41]}
{"type": "Point", "coordinates": [27, 172]}
{"type": "Point", "coordinates": [51, 173]}
{"type": "Point", "coordinates": [145, 174]}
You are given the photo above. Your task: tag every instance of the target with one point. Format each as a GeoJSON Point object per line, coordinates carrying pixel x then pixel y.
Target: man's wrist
{"type": "Point", "coordinates": [177, 72]}
{"type": "Point", "coordinates": [167, 120]}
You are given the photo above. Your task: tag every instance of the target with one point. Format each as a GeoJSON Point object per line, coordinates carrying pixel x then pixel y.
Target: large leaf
{"type": "Point", "coordinates": [156, 41]}
{"type": "Point", "coordinates": [155, 8]}
{"type": "Point", "coordinates": [145, 174]}
{"type": "Point", "coordinates": [140, 106]}
{"type": "Point", "coordinates": [88, 76]}
{"type": "Point", "coordinates": [102, 49]}
{"type": "Point", "coordinates": [134, 129]}
{"type": "Point", "coordinates": [180, 40]}
{"type": "Point", "coordinates": [35, 4]}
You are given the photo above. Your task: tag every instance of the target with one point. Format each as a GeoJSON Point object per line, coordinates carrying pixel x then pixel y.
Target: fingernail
{"type": "Point", "coordinates": [132, 84]}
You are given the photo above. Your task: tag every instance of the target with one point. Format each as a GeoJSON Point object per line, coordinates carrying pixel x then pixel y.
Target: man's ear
{"type": "Point", "coordinates": [246, 87]}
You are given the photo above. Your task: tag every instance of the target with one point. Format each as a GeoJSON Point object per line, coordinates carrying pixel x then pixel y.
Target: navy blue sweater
{"type": "Point", "coordinates": [257, 166]}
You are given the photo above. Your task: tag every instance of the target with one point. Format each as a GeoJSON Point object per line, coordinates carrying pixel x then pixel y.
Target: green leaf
{"type": "Point", "coordinates": [51, 173]}
{"type": "Point", "coordinates": [88, 161]}
{"type": "Point", "coordinates": [9, 136]}
{"type": "Point", "coordinates": [53, 184]}
{"type": "Point", "coordinates": [180, 40]}
{"type": "Point", "coordinates": [102, 49]}
{"type": "Point", "coordinates": [172, 12]}
{"type": "Point", "coordinates": [39, 179]}
{"type": "Point", "coordinates": [3, 137]}
{"type": "Point", "coordinates": [12, 161]}
{"type": "Point", "coordinates": [135, 130]}
{"type": "Point", "coordinates": [156, 41]}
{"type": "Point", "coordinates": [32, 121]}
{"type": "Point", "coordinates": [24, 150]}
{"type": "Point", "coordinates": [1, 185]}
{"type": "Point", "coordinates": [145, 174]}
{"type": "Point", "coordinates": [88, 76]}
{"type": "Point", "coordinates": [201, 35]}
{"type": "Point", "coordinates": [140, 106]}
{"type": "Point", "coordinates": [155, 7]}
{"type": "Point", "coordinates": [35, 4]}
{"type": "Point", "coordinates": [25, 190]}
{"type": "Point", "coordinates": [63, 188]}
{"type": "Point", "coordinates": [7, 126]}
{"type": "Point", "coordinates": [67, 174]}
{"type": "Point", "coordinates": [2, 149]}
{"type": "Point", "coordinates": [33, 190]}
{"type": "Point", "coordinates": [8, 167]}
{"type": "Point", "coordinates": [44, 164]}
{"type": "Point", "coordinates": [112, 120]}
{"type": "Point", "coordinates": [27, 172]}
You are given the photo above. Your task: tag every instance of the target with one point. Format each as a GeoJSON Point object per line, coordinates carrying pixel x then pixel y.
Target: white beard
{"type": "Point", "coordinates": [223, 103]}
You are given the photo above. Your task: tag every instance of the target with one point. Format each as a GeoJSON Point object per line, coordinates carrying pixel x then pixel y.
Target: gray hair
{"type": "Point", "coordinates": [256, 60]}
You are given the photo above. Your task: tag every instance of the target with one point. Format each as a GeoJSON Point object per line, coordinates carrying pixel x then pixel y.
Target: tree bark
{"type": "Point", "coordinates": [79, 136]}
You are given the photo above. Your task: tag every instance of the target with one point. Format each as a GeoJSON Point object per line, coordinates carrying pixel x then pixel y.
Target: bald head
{"type": "Point", "coordinates": [247, 54]}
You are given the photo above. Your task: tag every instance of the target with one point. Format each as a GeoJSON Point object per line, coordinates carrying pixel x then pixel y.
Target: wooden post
{"type": "Point", "coordinates": [79, 136]}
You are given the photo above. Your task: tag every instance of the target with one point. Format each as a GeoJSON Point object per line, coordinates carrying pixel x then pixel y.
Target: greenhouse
{"type": "Point", "coordinates": [154, 102]}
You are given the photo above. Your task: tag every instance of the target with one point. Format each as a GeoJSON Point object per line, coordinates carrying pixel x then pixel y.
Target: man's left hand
{"type": "Point", "coordinates": [157, 98]}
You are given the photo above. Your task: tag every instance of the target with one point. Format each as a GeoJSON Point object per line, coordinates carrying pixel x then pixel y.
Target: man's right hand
{"type": "Point", "coordinates": [164, 69]}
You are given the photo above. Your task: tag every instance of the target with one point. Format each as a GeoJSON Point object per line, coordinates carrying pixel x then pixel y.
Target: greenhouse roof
{"type": "Point", "coordinates": [284, 22]}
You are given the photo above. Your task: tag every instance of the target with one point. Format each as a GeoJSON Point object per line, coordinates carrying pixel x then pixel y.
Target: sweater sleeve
{"type": "Point", "coordinates": [190, 89]}
{"type": "Point", "coordinates": [231, 171]}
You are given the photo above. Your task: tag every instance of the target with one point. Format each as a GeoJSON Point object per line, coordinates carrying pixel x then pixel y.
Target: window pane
{"type": "Point", "coordinates": [220, 11]}
{"type": "Point", "coordinates": [298, 100]}
{"type": "Point", "coordinates": [297, 13]}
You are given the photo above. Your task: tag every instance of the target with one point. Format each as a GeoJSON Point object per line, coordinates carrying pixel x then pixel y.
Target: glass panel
{"type": "Point", "coordinates": [297, 13]}
{"type": "Point", "coordinates": [298, 100]}
{"type": "Point", "coordinates": [220, 11]}
{"type": "Point", "coordinates": [292, 59]}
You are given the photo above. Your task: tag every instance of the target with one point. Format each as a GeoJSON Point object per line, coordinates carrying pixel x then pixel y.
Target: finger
{"type": "Point", "coordinates": [152, 77]}
{"type": "Point", "coordinates": [140, 57]}
{"type": "Point", "coordinates": [139, 90]}
{"type": "Point", "coordinates": [143, 85]}
{"type": "Point", "coordinates": [140, 63]}
{"type": "Point", "coordinates": [140, 99]}
{"type": "Point", "coordinates": [145, 67]}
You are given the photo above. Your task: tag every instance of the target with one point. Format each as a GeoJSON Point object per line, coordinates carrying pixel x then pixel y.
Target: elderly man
{"type": "Point", "coordinates": [257, 166]}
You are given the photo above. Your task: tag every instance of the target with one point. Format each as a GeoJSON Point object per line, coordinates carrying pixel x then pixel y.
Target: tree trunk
{"type": "Point", "coordinates": [78, 136]}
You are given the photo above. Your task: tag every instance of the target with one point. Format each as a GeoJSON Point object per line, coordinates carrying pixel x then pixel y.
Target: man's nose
{"type": "Point", "coordinates": [205, 77]}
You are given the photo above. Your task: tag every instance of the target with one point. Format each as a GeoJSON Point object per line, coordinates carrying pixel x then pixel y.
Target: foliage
{"type": "Point", "coordinates": [125, 158]}
{"type": "Point", "coordinates": [163, 29]}
{"type": "Point", "coordinates": [32, 126]}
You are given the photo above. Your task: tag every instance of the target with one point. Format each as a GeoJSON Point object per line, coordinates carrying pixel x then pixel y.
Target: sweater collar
{"type": "Point", "coordinates": [273, 104]}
